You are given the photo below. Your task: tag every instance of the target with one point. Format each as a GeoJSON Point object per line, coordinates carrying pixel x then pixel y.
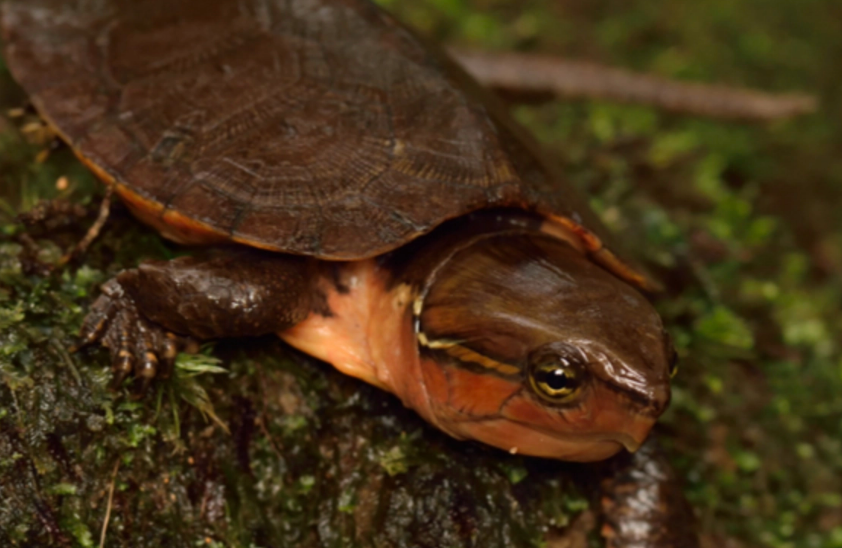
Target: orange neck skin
{"type": "Point", "coordinates": [369, 333]}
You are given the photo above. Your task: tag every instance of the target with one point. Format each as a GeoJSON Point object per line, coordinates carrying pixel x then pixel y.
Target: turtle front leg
{"type": "Point", "coordinates": [643, 504]}
{"type": "Point", "coordinates": [147, 314]}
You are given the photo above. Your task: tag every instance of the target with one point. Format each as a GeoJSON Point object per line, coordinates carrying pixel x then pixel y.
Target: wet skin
{"type": "Point", "coordinates": [506, 335]}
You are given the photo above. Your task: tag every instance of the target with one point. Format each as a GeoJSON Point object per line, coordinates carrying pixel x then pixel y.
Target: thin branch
{"type": "Point", "coordinates": [543, 74]}
{"type": "Point", "coordinates": [109, 504]}
{"type": "Point", "coordinates": [94, 230]}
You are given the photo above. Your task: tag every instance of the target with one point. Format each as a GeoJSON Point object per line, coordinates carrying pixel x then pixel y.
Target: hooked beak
{"type": "Point", "coordinates": [636, 433]}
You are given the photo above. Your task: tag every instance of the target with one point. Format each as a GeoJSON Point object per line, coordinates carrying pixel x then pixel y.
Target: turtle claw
{"type": "Point", "coordinates": [138, 346]}
{"type": "Point", "coordinates": [120, 370]}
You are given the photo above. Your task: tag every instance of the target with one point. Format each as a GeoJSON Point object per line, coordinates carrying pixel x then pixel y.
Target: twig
{"type": "Point", "coordinates": [543, 74]}
{"type": "Point", "coordinates": [108, 505]}
{"type": "Point", "coordinates": [93, 232]}
{"type": "Point", "coordinates": [68, 361]}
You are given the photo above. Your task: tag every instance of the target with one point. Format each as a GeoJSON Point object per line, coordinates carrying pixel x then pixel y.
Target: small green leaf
{"type": "Point", "coordinates": [306, 483]}
{"type": "Point", "coordinates": [393, 461]}
{"type": "Point", "coordinates": [189, 389]}
{"type": "Point", "coordinates": [198, 364]}
{"type": "Point", "coordinates": [63, 489]}
{"type": "Point", "coordinates": [747, 461]}
{"type": "Point", "coordinates": [11, 316]}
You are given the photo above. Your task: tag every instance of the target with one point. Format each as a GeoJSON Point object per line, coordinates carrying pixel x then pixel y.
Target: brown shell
{"type": "Point", "coordinates": [318, 127]}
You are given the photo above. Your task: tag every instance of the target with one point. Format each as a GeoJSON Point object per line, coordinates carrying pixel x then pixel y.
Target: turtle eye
{"type": "Point", "coordinates": [672, 355]}
{"type": "Point", "coordinates": [556, 379]}
{"type": "Point", "coordinates": [673, 363]}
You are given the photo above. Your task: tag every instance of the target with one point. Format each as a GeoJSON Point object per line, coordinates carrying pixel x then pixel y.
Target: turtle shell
{"type": "Point", "coordinates": [316, 127]}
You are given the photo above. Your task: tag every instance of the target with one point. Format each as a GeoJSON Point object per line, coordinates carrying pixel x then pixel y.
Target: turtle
{"type": "Point", "coordinates": [361, 197]}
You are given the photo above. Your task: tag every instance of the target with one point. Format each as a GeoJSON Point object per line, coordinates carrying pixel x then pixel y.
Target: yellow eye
{"type": "Point", "coordinates": [672, 355]}
{"type": "Point", "coordinates": [556, 380]}
{"type": "Point", "coordinates": [674, 364]}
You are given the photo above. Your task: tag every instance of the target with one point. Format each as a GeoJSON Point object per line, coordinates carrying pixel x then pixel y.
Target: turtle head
{"type": "Point", "coordinates": [528, 346]}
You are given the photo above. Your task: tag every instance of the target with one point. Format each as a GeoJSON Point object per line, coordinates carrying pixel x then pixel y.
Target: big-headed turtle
{"type": "Point", "coordinates": [391, 219]}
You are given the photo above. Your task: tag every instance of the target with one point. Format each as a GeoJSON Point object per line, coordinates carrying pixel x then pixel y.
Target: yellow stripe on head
{"type": "Point", "coordinates": [462, 353]}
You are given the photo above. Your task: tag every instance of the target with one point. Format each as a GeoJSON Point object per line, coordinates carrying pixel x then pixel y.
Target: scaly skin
{"type": "Point", "coordinates": [145, 315]}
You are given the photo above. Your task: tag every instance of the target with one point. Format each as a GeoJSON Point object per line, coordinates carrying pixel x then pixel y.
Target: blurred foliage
{"type": "Point", "coordinates": [741, 221]}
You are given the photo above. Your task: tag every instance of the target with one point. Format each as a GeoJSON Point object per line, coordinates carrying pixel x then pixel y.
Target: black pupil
{"type": "Point", "coordinates": [556, 378]}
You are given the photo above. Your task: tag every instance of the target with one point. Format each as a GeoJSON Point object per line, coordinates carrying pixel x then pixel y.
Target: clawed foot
{"type": "Point", "coordinates": [137, 345]}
